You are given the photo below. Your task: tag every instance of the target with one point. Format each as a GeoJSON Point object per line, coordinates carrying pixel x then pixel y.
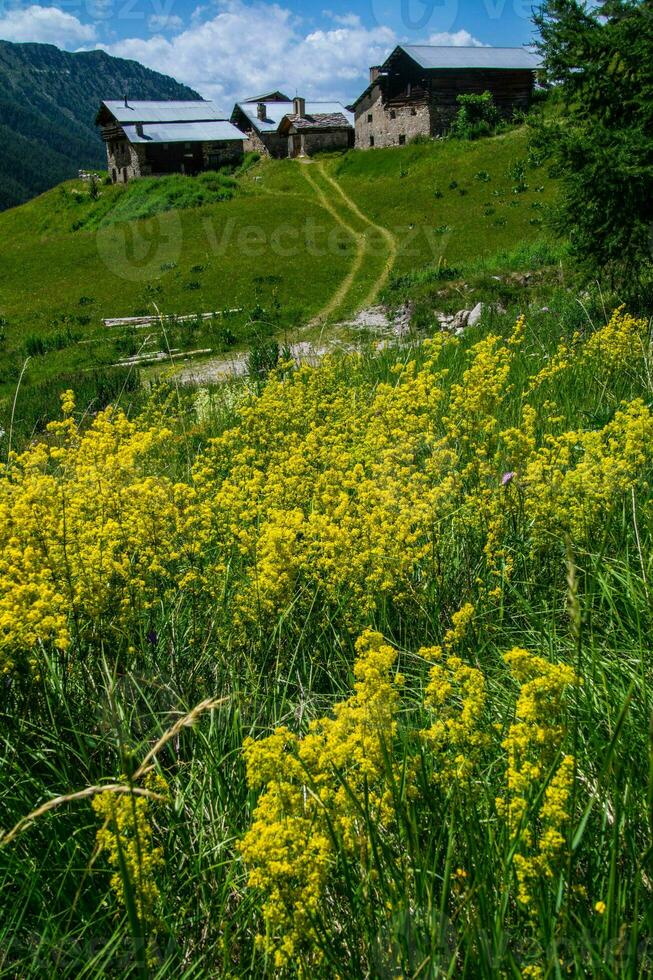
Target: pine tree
{"type": "Point", "coordinates": [600, 60]}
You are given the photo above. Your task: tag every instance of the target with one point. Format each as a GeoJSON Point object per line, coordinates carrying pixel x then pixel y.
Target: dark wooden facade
{"type": "Point", "coordinates": [404, 99]}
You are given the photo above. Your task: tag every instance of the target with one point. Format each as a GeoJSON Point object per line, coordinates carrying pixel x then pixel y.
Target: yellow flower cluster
{"type": "Point", "coordinates": [616, 345]}
{"type": "Point", "coordinates": [333, 493]}
{"type": "Point", "coordinates": [87, 535]}
{"type": "Point", "coordinates": [320, 486]}
{"type": "Point", "coordinates": [320, 794]}
{"type": "Point", "coordinates": [456, 693]}
{"type": "Point", "coordinates": [460, 623]}
{"type": "Point", "coordinates": [608, 350]}
{"type": "Point", "coordinates": [127, 838]}
{"type": "Point", "coordinates": [330, 782]}
{"type": "Point", "coordinates": [533, 745]}
{"type": "Point", "coordinates": [575, 479]}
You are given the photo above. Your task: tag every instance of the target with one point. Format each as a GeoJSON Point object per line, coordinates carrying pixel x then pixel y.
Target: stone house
{"type": "Point", "coordinates": [414, 93]}
{"type": "Point", "coordinates": [280, 127]}
{"type": "Point", "coordinates": [146, 139]}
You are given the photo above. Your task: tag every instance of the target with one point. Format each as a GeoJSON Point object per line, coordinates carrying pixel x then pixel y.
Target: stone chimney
{"type": "Point", "coordinates": [375, 71]}
{"type": "Point", "coordinates": [299, 107]}
{"type": "Point", "coordinates": [139, 129]}
{"type": "Point", "coordinates": [260, 111]}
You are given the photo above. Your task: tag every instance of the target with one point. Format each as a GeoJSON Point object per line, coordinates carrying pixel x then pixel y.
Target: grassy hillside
{"type": "Point", "coordinates": [48, 102]}
{"type": "Point", "coordinates": [284, 242]}
{"type": "Point", "coordinates": [350, 673]}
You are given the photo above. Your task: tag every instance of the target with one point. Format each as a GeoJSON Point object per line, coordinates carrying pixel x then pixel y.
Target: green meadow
{"type": "Point", "coordinates": [290, 247]}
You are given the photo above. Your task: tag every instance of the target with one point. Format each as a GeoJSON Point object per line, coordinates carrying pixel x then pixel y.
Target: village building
{"type": "Point", "coordinates": [280, 127]}
{"type": "Point", "coordinates": [415, 91]}
{"type": "Point", "coordinates": [146, 139]}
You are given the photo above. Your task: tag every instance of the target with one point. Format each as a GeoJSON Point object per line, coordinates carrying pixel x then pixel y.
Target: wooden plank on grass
{"type": "Point", "coordinates": [146, 321]}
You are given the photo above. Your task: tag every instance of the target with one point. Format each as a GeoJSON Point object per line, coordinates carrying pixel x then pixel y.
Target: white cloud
{"type": "Point", "coordinates": [346, 20]}
{"type": "Point", "coordinates": [246, 48]}
{"type": "Point", "coordinates": [235, 49]}
{"type": "Point", "coordinates": [47, 25]}
{"type": "Point", "coordinates": [165, 22]}
{"type": "Point", "coordinates": [460, 39]}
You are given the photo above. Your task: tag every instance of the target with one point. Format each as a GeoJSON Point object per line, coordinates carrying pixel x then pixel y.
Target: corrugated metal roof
{"type": "Point", "coordinates": [275, 112]}
{"type": "Point", "coordinates": [183, 132]}
{"type": "Point", "coordinates": [432, 56]}
{"type": "Point", "coordinates": [155, 112]}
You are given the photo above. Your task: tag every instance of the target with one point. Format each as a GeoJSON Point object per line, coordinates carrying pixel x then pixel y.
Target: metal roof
{"type": "Point", "coordinates": [433, 56]}
{"type": "Point", "coordinates": [269, 97]}
{"type": "Point", "coordinates": [183, 132]}
{"type": "Point", "coordinates": [275, 112]}
{"type": "Point", "coordinates": [155, 112]}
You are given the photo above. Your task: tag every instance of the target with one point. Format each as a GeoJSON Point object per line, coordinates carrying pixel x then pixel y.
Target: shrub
{"type": "Point", "coordinates": [517, 172]}
{"type": "Point", "coordinates": [262, 358]}
{"type": "Point", "coordinates": [34, 346]}
{"type": "Point", "coordinates": [477, 116]}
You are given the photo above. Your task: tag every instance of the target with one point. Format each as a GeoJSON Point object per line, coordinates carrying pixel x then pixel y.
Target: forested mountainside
{"type": "Point", "coordinates": [48, 101]}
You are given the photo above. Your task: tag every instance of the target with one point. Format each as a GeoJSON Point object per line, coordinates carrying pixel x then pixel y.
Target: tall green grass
{"type": "Point", "coordinates": [95, 714]}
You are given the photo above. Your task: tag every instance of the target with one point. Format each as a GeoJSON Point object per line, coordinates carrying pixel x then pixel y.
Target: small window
{"type": "Point", "coordinates": [370, 117]}
{"type": "Point", "coordinates": [393, 114]}
{"type": "Point", "coordinates": [413, 112]}
{"type": "Point", "coordinates": [402, 140]}
{"type": "Point", "coordinates": [371, 141]}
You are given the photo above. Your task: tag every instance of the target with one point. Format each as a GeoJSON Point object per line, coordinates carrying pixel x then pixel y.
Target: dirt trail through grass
{"type": "Point", "coordinates": [384, 233]}
{"type": "Point", "coordinates": [340, 296]}
{"type": "Point", "coordinates": [348, 297]}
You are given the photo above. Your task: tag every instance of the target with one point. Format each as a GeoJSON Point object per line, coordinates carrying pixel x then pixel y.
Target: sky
{"type": "Point", "coordinates": [233, 49]}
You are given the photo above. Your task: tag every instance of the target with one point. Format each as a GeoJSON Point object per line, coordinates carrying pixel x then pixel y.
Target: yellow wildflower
{"type": "Point", "coordinates": [311, 787]}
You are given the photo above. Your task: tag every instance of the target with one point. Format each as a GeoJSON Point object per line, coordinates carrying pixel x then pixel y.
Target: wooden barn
{"type": "Point", "coordinates": [146, 139]}
{"type": "Point", "coordinates": [415, 91]}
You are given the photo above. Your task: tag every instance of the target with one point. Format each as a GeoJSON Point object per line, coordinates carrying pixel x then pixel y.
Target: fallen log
{"type": "Point", "coordinates": [147, 321]}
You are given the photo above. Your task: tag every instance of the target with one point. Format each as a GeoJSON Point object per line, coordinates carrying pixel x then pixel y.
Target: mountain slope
{"type": "Point", "coordinates": [48, 101]}
{"type": "Point", "coordinates": [284, 244]}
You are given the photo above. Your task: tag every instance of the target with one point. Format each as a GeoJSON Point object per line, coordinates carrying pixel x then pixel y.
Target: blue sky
{"type": "Point", "coordinates": [228, 49]}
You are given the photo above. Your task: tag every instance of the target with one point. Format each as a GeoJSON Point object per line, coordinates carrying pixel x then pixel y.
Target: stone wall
{"type": "Point", "coordinates": [127, 161]}
{"type": "Point", "coordinates": [267, 144]}
{"type": "Point", "coordinates": [324, 141]}
{"type": "Point", "coordinates": [124, 161]}
{"type": "Point", "coordinates": [380, 124]}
